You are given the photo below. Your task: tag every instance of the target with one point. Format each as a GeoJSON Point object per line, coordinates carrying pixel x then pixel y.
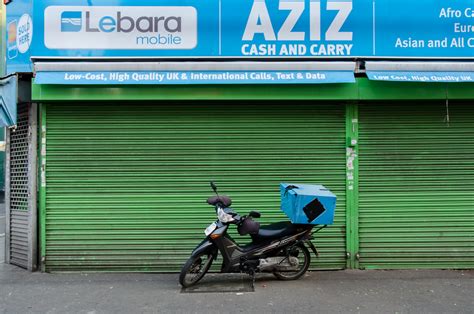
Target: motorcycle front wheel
{"type": "Point", "coordinates": [194, 269]}
{"type": "Point", "coordinates": [304, 258]}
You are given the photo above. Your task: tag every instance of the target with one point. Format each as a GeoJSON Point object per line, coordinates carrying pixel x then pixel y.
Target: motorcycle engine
{"type": "Point", "coordinates": [279, 263]}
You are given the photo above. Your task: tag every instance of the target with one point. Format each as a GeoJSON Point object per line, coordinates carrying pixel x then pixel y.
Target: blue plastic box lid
{"type": "Point", "coordinates": [307, 203]}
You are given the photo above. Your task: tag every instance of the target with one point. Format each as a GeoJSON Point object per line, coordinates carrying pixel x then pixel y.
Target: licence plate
{"type": "Point", "coordinates": [209, 229]}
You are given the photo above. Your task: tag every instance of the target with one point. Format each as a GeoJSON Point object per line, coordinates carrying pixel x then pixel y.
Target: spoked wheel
{"type": "Point", "coordinates": [194, 269]}
{"type": "Point", "coordinates": [302, 254]}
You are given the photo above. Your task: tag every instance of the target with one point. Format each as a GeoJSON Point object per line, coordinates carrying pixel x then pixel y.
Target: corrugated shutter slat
{"type": "Point", "coordinates": [127, 184]}
{"type": "Point", "coordinates": [416, 186]}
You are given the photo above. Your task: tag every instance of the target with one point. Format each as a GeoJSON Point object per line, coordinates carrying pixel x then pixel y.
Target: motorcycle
{"type": "Point", "coordinates": [280, 248]}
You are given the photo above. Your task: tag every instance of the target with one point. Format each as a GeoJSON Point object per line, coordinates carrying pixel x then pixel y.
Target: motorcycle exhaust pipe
{"type": "Point", "coordinates": [280, 263]}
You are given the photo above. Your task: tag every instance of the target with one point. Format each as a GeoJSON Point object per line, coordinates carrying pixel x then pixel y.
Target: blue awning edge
{"type": "Point", "coordinates": [188, 73]}
{"type": "Point", "coordinates": [409, 71]}
{"type": "Point", "coordinates": [194, 77]}
{"type": "Point", "coordinates": [418, 76]}
{"type": "Point", "coordinates": [8, 101]}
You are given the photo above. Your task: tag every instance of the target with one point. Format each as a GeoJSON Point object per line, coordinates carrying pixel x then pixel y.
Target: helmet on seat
{"type": "Point", "coordinates": [248, 226]}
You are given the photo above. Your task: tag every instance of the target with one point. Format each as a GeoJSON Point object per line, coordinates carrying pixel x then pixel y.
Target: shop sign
{"type": "Point", "coordinates": [151, 27]}
{"type": "Point", "coordinates": [255, 28]}
{"type": "Point", "coordinates": [421, 76]}
{"type": "Point", "coordinates": [20, 35]}
{"type": "Point", "coordinates": [194, 77]}
{"type": "Point", "coordinates": [243, 29]}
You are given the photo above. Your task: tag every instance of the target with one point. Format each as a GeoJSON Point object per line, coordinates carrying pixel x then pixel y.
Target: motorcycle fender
{"type": "Point", "coordinates": [313, 248]}
{"type": "Point", "coordinates": [206, 246]}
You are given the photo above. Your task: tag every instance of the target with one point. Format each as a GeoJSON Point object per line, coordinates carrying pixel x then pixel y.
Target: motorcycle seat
{"type": "Point", "coordinates": [275, 230]}
{"type": "Point", "coordinates": [223, 199]}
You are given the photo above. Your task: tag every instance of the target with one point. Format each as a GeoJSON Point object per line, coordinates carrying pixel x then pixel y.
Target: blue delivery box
{"type": "Point", "coordinates": [308, 204]}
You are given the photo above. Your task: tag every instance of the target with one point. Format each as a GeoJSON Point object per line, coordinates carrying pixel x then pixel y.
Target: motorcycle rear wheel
{"type": "Point", "coordinates": [304, 261]}
{"type": "Point", "coordinates": [194, 269]}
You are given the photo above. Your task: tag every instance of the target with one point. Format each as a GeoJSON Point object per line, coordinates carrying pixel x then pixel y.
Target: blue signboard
{"type": "Point", "coordinates": [243, 29]}
{"type": "Point", "coordinates": [424, 28]}
{"type": "Point", "coordinates": [289, 29]}
{"type": "Point", "coordinates": [194, 77]}
{"type": "Point", "coordinates": [19, 36]}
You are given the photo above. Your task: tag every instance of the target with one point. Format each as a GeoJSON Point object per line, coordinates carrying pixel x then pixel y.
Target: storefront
{"type": "Point", "coordinates": [128, 138]}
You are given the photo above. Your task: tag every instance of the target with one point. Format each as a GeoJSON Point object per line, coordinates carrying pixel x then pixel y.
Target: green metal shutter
{"type": "Point", "coordinates": [127, 184]}
{"type": "Point", "coordinates": [416, 186]}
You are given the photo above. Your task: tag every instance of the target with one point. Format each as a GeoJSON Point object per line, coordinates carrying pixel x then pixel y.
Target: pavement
{"type": "Point", "coordinates": [417, 291]}
{"type": "Point", "coordinates": [350, 291]}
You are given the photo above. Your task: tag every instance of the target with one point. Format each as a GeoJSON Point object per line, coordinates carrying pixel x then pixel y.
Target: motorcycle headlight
{"type": "Point", "coordinates": [223, 216]}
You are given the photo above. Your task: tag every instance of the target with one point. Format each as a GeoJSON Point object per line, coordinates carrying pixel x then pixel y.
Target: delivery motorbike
{"type": "Point", "coordinates": [279, 248]}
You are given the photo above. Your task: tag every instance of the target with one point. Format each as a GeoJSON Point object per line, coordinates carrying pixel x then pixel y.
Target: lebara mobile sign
{"type": "Point", "coordinates": [156, 27]}
{"type": "Point", "coordinates": [241, 29]}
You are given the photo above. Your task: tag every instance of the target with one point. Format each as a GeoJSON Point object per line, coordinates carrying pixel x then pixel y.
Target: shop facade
{"type": "Point", "coordinates": [125, 147]}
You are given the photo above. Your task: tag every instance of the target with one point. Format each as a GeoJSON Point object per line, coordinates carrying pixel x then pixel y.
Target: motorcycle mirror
{"type": "Point", "coordinates": [214, 187]}
{"type": "Point", "coordinates": [254, 214]}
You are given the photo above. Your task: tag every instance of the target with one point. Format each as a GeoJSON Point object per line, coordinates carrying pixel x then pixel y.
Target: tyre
{"type": "Point", "coordinates": [304, 258]}
{"type": "Point", "coordinates": [195, 268]}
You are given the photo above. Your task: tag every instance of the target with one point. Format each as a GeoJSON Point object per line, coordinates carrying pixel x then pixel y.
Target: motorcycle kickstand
{"type": "Point", "coordinates": [253, 273]}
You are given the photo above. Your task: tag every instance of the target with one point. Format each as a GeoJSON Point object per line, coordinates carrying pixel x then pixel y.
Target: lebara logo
{"type": "Point", "coordinates": [71, 21]}
{"type": "Point", "coordinates": [120, 27]}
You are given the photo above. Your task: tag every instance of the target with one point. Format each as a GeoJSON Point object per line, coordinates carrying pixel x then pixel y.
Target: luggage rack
{"type": "Point", "coordinates": [311, 237]}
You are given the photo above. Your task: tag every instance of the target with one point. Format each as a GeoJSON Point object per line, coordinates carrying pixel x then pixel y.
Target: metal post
{"type": "Point", "coordinates": [32, 187]}
{"type": "Point", "coordinates": [42, 187]}
{"type": "Point", "coordinates": [352, 185]}
{"type": "Point", "coordinates": [7, 195]}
